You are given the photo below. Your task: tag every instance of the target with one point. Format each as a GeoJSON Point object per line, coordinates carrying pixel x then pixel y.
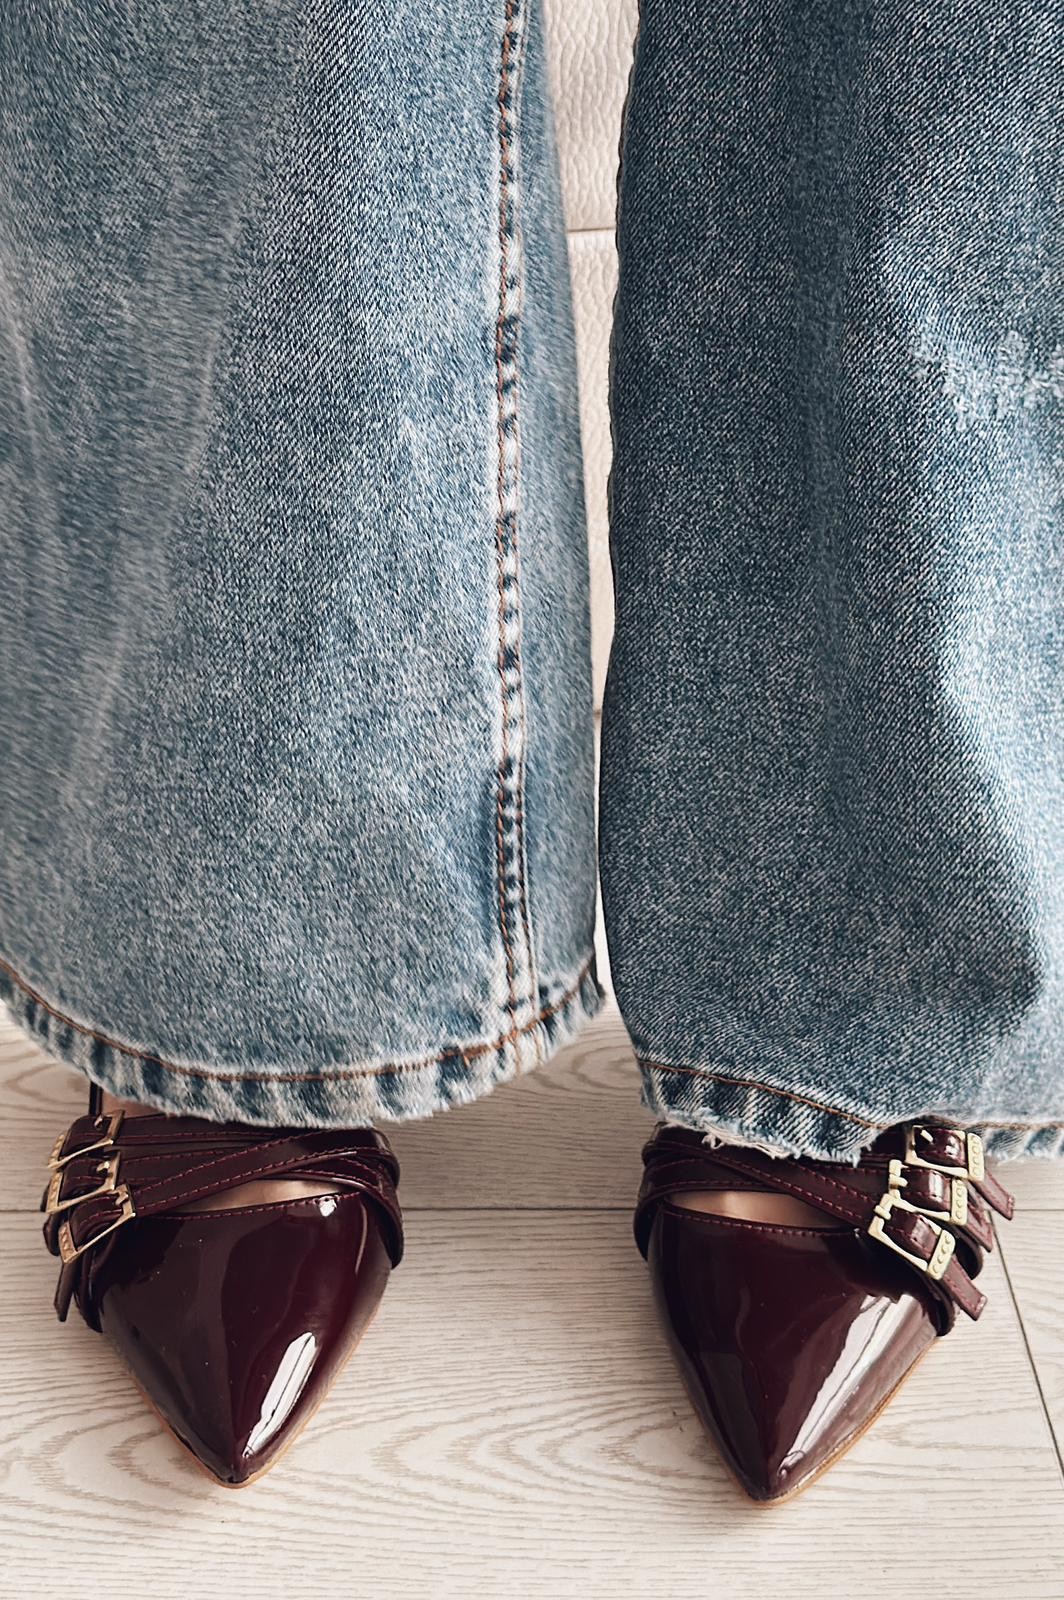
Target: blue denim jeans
{"type": "Point", "coordinates": [296, 793]}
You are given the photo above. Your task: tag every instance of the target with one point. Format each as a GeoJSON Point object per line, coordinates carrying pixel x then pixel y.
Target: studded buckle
{"type": "Point", "coordinates": [55, 1200]}
{"type": "Point", "coordinates": [957, 1212]}
{"type": "Point", "coordinates": [109, 1126]}
{"type": "Point", "coordinates": [936, 1264]}
{"type": "Point", "coordinates": [975, 1168]}
{"type": "Point", "coordinates": [69, 1251]}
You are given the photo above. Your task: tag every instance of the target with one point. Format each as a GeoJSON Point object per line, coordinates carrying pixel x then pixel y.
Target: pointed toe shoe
{"type": "Point", "coordinates": [232, 1322]}
{"type": "Point", "coordinates": [790, 1339]}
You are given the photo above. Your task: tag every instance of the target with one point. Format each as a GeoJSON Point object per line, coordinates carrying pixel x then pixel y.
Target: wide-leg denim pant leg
{"type": "Point", "coordinates": [296, 780]}
{"type": "Point", "coordinates": [833, 747]}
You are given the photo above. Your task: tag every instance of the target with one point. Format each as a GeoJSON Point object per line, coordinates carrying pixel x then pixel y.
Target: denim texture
{"type": "Point", "coordinates": [295, 759]}
{"type": "Point", "coordinates": [833, 759]}
{"type": "Point", "coordinates": [296, 768]}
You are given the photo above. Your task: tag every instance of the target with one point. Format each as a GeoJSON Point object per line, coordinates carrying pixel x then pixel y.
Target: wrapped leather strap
{"type": "Point", "coordinates": [927, 1203]}
{"type": "Point", "coordinates": [107, 1170]}
{"type": "Point", "coordinates": [951, 1151]}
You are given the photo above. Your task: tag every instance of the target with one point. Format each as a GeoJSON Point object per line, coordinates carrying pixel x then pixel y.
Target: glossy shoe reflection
{"type": "Point", "coordinates": [233, 1322]}
{"type": "Point", "coordinates": [791, 1339]}
{"type": "Point", "coordinates": [787, 1341]}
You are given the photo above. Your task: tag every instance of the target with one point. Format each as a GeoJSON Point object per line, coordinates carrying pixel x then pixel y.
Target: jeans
{"type": "Point", "coordinates": [296, 763]}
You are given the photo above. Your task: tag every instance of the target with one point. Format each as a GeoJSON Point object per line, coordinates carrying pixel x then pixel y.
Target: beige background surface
{"type": "Point", "coordinates": [591, 44]}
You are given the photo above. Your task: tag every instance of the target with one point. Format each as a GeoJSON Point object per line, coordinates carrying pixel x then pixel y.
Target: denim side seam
{"type": "Point", "coordinates": [344, 1096]}
{"type": "Point", "coordinates": [511, 857]}
{"type": "Point", "coordinates": [765, 1115]}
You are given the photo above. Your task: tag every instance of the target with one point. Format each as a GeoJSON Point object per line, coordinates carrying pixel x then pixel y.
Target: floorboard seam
{"type": "Point", "coordinates": [1030, 1357]}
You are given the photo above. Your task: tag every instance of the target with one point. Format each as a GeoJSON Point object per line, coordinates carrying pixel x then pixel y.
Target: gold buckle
{"type": "Point", "coordinates": [112, 1123]}
{"type": "Point", "coordinates": [945, 1243]}
{"type": "Point", "coordinates": [69, 1251]}
{"type": "Point", "coordinates": [54, 1201]}
{"type": "Point", "coordinates": [975, 1170]}
{"type": "Point", "coordinates": [957, 1214]}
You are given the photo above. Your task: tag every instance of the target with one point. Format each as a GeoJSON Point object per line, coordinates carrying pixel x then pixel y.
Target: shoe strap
{"type": "Point", "coordinates": [108, 1169]}
{"type": "Point", "coordinates": [952, 1151]}
{"type": "Point", "coordinates": [925, 1199]}
{"type": "Point", "coordinates": [941, 1195]}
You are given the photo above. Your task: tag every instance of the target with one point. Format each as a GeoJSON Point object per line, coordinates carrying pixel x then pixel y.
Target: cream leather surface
{"type": "Point", "coordinates": [591, 46]}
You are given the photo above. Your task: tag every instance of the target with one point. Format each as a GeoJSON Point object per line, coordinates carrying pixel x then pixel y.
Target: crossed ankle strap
{"type": "Point", "coordinates": [108, 1169]}
{"type": "Point", "coordinates": [922, 1192]}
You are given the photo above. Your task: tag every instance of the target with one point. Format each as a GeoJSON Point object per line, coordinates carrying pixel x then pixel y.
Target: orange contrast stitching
{"type": "Point", "coordinates": [750, 1083]}
{"type": "Point", "coordinates": [1019, 1126]}
{"type": "Point", "coordinates": [500, 520]}
{"type": "Point", "coordinates": [506, 166]}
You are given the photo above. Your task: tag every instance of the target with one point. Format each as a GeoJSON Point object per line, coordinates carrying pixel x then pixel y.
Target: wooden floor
{"type": "Point", "coordinates": [512, 1425]}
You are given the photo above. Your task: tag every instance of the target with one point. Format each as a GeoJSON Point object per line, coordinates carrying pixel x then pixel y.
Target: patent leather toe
{"type": "Point", "coordinates": [788, 1339]}
{"type": "Point", "coordinates": [791, 1339]}
{"type": "Point", "coordinates": [233, 1322]}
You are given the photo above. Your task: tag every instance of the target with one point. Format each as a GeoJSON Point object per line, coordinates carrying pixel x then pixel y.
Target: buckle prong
{"type": "Point", "coordinates": [945, 1244]}
{"type": "Point", "coordinates": [55, 1201]}
{"type": "Point", "coordinates": [957, 1211]}
{"type": "Point", "coordinates": [975, 1160]}
{"type": "Point", "coordinates": [69, 1251]}
{"type": "Point", "coordinates": [110, 1123]}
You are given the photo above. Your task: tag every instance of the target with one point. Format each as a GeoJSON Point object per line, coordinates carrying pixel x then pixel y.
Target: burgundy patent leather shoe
{"type": "Point", "coordinates": [232, 1322]}
{"type": "Point", "coordinates": [791, 1339]}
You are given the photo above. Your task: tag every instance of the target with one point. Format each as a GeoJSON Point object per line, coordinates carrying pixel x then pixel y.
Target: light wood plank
{"type": "Point", "coordinates": [38, 1098]}
{"type": "Point", "coordinates": [1037, 1185]}
{"type": "Point", "coordinates": [512, 1425]}
{"type": "Point", "coordinates": [1033, 1247]}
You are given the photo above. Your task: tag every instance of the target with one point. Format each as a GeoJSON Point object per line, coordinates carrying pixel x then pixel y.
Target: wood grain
{"type": "Point", "coordinates": [1037, 1185]}
{"type": "Point", "coordinates": [1033, 1248]}
{"type": "Point", "coordinates": [511, 1426]}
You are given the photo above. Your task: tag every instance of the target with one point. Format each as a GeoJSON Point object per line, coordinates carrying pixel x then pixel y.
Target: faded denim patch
{"type": "Point", "coordinates": [296, 783]}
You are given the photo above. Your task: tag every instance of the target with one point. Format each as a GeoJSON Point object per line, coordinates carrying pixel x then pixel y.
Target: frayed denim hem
{"type": "Point", "coordinates": [343, 1097]}
{"type": "Point", "coordinates": [785, 1123]}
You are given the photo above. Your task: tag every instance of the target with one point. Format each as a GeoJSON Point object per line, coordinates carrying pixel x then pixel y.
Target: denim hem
{"type": "Point", "coordinates": [784, 1122]}
{"type": "Point", "coordinates": [331, 1096]}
